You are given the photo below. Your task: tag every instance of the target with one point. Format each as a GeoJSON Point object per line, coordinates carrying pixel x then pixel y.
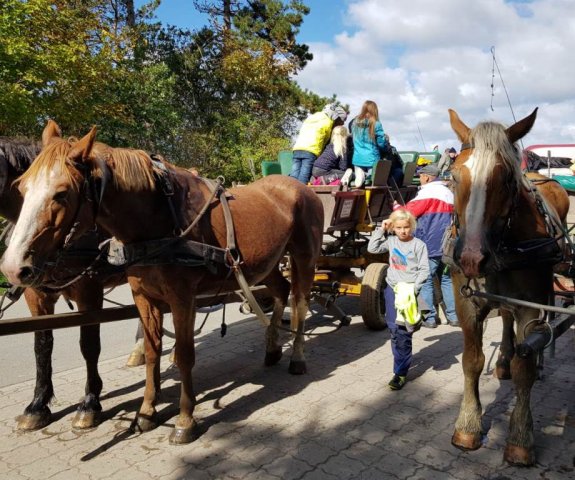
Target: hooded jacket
{"type": "Point", "coordinates": [314, 133]}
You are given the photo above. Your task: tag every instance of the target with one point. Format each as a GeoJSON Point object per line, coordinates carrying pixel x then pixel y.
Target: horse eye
{"type": "Point", "coordinates": [60, 197]}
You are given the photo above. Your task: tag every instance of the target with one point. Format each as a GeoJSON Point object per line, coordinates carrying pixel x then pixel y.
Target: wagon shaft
{"type": "Point", "coordinates": [539, 339]}
{"type": "Point", "coordinates": [13, 326]}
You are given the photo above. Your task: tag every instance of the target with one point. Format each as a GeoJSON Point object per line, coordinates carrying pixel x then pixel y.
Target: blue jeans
{"type": "Point", "coordinates": [401, 339]}
{"type": "Point", "coordinates": [437, 269]}
{"type": "Point", "coordinates": [302, 164]}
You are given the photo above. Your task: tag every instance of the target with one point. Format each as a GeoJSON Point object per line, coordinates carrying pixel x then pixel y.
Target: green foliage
{"type": "Point", "coordinates": [57, 61]}
{"type": "Point", "coordinates": [217, 99]}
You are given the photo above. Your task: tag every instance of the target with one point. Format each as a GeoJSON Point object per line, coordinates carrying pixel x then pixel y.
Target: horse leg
{"type": "Point", "coordinates": [302, 274]}
{"type": "Point", "coordinates": [184, 318]}
{"type": "Point", "coordinates": [137, 356]}
{"type": "Point", "coordinates": [507, 350]}
{"type": "Point", "coordinates": [519, 448]}
{"type": "Point", "coordinates": [89, 296]}
{"type": "Point", "coordinates": [279, 287]}
{"type": "Point", "coordinates": [37, 414]}
{"type": "Point", "coordinates": [152, 320]}
{"type": "Point", "coordinates": [89, 410]}
{"type": "Point", "coordinates": [467, 434]}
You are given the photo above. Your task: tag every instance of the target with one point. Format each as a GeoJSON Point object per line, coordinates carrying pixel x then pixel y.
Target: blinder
{"type": "Point", "coordinates": [91, 190]}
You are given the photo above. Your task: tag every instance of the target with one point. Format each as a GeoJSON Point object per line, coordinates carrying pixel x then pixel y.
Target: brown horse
{"type": "Point", "coordinates": [272, 216]}
{"type": "Point", "coordinates": [16, 155]}
{"type": "Point", "coordinates": [507, 233]}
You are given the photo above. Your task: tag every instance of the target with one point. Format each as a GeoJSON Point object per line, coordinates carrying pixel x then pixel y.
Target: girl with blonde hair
{"type": "Point", "coordinates": [335, 160]}
{"type": "Point", "coordinates": [368, 140]}
{"type": "Point", "coordinates": [408, 270]}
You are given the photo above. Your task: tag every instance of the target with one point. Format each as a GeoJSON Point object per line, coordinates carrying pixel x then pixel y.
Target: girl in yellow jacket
{"type": "Point", "coordinates": [313, 136]}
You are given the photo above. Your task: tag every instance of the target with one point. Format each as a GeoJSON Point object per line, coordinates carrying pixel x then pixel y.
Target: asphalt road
{"type": "Point", "coordinates": [17, 351]}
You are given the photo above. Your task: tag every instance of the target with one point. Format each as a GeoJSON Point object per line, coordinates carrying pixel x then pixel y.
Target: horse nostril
{"type": "Point", "coordinates": [26, 273]}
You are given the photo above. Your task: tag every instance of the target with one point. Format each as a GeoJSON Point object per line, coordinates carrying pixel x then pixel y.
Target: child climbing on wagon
{"type": "Point", "coordinates": [408, 270]}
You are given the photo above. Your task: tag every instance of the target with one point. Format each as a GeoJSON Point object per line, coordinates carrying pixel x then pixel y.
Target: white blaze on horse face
{"type": "Point", "coordinates": [37, 198]}
{"type": "Point", "coordinates": [476, 205]}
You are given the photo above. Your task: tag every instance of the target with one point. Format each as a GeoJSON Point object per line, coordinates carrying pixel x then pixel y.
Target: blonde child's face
{"type": "Point", "coordinates": [402, 230]}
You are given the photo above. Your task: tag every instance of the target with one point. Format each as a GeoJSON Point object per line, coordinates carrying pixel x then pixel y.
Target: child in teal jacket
{"type": "Point", "coordinates": [368, 140]}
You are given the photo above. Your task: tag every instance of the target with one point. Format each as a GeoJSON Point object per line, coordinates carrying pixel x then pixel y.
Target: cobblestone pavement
{"type": "Point", "coordinates": [338, 421]}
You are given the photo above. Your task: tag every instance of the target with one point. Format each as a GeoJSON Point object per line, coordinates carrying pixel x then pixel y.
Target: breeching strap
{"type": "Point", "coordinates": [234, 258]}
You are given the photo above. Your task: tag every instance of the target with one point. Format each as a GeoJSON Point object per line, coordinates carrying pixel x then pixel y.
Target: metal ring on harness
{"type": "Point", "coordinates": [546, 324]}
{"type": "Point", "coordinates": [466, 291]}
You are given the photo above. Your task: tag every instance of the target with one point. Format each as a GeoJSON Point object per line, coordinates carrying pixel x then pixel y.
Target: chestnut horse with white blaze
{"type": "Point", "coordinates": [16, 156]}
{"type": "Point", "coordinates": [271, 217]}
{"type": "Point", "coordinates": [507, 230]}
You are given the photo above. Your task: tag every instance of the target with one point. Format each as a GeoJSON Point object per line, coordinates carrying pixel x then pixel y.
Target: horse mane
{"type": "Point", "coordinates": [492, 147]}
{"type": "Point", "coordinates": [54, 155]}
{"type": "Point", "coordinates": [18, 152]}
{"type": "Point", "coordinates": [133, 169]}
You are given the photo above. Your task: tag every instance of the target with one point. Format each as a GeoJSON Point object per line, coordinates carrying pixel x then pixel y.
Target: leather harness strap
{"type": "Point", "coordinates": [234, 257]}
{"type": "Point", "coordinates": [167, 190]}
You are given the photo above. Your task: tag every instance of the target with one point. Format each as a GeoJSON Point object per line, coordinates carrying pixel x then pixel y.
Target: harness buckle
{"type": "Point", "coordinates": [233, 257]}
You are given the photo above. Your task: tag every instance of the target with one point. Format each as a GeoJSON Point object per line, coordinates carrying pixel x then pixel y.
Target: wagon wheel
{"type": "Point", "coordinates": [371, 300]}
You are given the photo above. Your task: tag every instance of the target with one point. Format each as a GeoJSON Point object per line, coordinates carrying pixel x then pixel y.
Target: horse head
{"type": "Point", "coordinates": [57, 205]}
{"type": "Point", "coordinates": [487, 182]}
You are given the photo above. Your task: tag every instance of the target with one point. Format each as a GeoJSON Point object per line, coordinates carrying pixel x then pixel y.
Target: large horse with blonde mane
{"type": "Point", "coordinates": [271, 217]}
{"type": "Point", "coordinates": [507, 231]}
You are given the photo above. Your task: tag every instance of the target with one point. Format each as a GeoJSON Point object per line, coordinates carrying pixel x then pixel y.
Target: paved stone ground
{"type": "Point", "coordinates": [339, 421]}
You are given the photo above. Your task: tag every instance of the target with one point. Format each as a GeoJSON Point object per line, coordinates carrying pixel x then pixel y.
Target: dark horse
{"type": "Point", "coordinates": [272, 216]}
{"type": "Point", "coordinates": [16, 155]}
{"type": "Point", "coordinates": [499, 215]}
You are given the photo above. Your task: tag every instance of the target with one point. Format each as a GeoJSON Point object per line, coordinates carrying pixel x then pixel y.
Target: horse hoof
{"type": "Point", "coordinates": [466, 441]}
{"type": "Point", "coordinates": [519, 456]}
{"type": "Point", "coordinates": [146, 423]}
{"type": "Point", "coordinates": [29, 422]}
{"type": "Point", "coordinates": [297, 367]}
{"type": "Point", "coordinates": [136, 359]}
{"type": "Point", "coordinates": [345, 321]}
{"type": "Point", "coordinates": [85, 420]}
{"type": "Point", "coordinates": [181, 436]}
{"type": "Point", "coordinates": [502, 372]}
{"type": "Point", "coordinates": [273, 357]}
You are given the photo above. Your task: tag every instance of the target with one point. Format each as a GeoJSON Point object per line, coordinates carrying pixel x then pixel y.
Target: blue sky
{"type": "Point", "coordinates": [326, 17]}
{"type": "Point", "coordinates": [418, 58]}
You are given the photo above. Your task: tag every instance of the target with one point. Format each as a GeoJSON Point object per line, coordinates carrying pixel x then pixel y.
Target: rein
{"type": "Point", "coordinates": [92, 194]}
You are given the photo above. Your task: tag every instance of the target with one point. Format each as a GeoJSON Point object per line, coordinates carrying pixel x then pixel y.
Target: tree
{"type": "Point", "coordinates": [74, 61]}
{"type": "Point", "coordinates": [236, 78]}
{"type": "Point", "coordinates": [214, 98]}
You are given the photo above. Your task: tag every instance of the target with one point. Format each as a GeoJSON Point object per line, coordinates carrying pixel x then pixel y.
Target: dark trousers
{"type": "Point", "coordinates": [401, 339]}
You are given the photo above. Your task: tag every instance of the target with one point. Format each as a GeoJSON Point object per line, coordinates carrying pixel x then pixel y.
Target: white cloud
{"type": "Point", "coordinates": [417, 58]}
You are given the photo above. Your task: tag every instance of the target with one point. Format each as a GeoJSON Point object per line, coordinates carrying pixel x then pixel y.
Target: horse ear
{"type": "Point", "coordinates": [51, 131]}
{"type": "Point", "coordinates": [460, 129]}
{"type": "Point", "coordinates": [82, 150]}
{"type": "Point", "coordinates": [522, 127]}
